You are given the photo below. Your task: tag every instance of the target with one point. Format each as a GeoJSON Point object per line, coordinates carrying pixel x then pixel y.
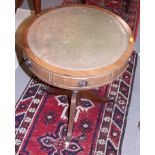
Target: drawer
{"type": "Point", "coordinates": [88, 82]}
{"type": "Point", "coordinates": [40, 72]}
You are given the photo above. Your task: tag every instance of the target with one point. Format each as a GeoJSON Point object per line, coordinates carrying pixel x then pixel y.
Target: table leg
{"type": "Point", "coordinates": [57, 91]}
{"type": "Point", "coordinates": [18, 3]}
{"type": "Point", "coordinates": [37, 6]}
{"type": "Point", "coordinates": [75, 98]}
{"type": "Point", "coordinates": [95, 97]}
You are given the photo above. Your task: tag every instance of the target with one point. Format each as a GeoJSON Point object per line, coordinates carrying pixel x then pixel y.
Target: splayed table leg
{"type": "Point", "coordinates": [75, 98]}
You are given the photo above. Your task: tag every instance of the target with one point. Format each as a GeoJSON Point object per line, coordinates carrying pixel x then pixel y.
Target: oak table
{"type": "Point", "coordinates": [77, 48]}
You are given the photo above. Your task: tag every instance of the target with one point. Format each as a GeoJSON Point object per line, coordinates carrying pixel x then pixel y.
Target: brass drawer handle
{"type": "Point", "coordinates": [82, 83]}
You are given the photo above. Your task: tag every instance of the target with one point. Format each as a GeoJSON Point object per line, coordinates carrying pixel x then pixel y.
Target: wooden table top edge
{"type": "Point", "coordinates": [118, 64]}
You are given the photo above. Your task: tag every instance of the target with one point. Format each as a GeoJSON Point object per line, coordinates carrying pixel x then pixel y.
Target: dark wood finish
{"type": "Point", "coordinates": [56, 91]}
{"type": "Point", "coordinates": [18, 3]}
{"type": "Point", "coordinates": [36, 3]}
{"type": "Point", "coordinates": [75, 99]}
{"type": "Point", "coordinates": [37, 6]}
{"type": "Point", "coordinates": [90, 95]}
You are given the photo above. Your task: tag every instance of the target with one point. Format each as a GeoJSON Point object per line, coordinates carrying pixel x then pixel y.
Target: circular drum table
{"type": "Point", "coordinates": [77, 48]}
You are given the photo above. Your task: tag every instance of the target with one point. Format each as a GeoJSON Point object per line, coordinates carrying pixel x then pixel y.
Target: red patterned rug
{"type": "Point", "coordinates": [118, 7]}
{"type": "Point", "coordinates": [41, 120]}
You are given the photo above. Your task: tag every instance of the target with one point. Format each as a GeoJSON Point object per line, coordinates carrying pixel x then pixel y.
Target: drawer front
{"type": "Point", "coordinates": [40, 72]}
{"type": "Point", "coordinates": [82, 83]}
{"type": "Point", "coordinates": [72, 82]}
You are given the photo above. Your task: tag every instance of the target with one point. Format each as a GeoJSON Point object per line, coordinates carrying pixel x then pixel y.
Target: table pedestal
{"type": "Point", "coordinates": [74, 98]}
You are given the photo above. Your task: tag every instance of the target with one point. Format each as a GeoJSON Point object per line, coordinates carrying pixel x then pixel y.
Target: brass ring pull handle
{"type": "Point", "coordinates": [27, 62]}
{"type": "Point", "coordinates": [82, 83]}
